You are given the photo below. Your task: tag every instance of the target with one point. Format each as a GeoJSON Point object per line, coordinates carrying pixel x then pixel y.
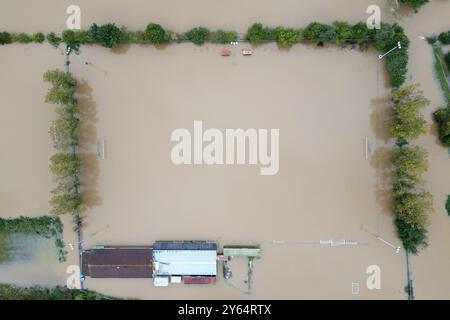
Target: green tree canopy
{"type": "Point", "coordinates": [413, 237]}
{"type": "Point", "coordinates": [287, 37]}
{"type": "Point", "coordinates": [65, 202]}
{"type": "Point", "coordinates": [442, 118]}
{"type": "Point", "coordinates": [108, 35]}
{"type": "Point", "coordinates": [409, 163]}
{"type": "Point", "coordinates": [222, 36]}
{"type": "Point", "coordinates": [257, 34]}
{"type": "Point", "coordinates": [388, 36]}
{"type": "Point", "coordinates": [38, 37]}
{"type": "Point", "coordinates": [198, 35]}
{"type": "Point", "coordinates": [53, 39]}
{"type": "Point", "coordinates": [344, 32]}
{"type": "Point", "coordinates": [320, 33]}
{"type": "Point", "coordinates": [444, 37]}
{"type": "Point", "coordinates": [406, 122]}
{"type": "Point", "coordinates": [64, 164]}
{"type": "Point", "coordinates": [413, 208]}
{"type": "Point", "coordinates": [155, 34]}
{"type": "Point", "coordinates": [70, 39]}
{"type": "Point", "coordinates": [5, 38]}
{"type": "Point", "coordinates": [415, 3]}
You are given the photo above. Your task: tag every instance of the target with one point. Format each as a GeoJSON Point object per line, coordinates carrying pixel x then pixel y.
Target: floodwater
{"type": "Point", "coordinates": [32, 260]}
{"type": "Point", "coordinates": [25, 151]}
{"type": "Point", "coordinates": [325, 102]}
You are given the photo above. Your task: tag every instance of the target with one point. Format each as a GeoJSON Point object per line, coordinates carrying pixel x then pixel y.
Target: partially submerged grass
{"type": "Point", "coordinates": [44, 226]}
{"type": "Point", "coordinates": [5, 248]}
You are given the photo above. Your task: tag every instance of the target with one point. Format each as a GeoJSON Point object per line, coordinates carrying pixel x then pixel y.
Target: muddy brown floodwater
{"type": "Point", "coordinates": [324, 101]}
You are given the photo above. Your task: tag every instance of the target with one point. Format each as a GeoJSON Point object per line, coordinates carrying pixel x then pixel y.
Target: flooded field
{"type": "Point", "coordinates": [25, 151]}
{"type": "Point", "coordinates": [431, 266]}
{"type": "Point", "coordinates": [324, 101]}
{"type": "Point", "coordinates": [33, 260]}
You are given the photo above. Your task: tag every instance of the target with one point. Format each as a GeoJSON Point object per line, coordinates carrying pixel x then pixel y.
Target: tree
{"type": "Point", "coordinates": [64, 164]}
{"type": "Point", "coordinates": [70, 39]}
{"type": "Point", "coordinates": [397, 63]}
{"type": "Point", "coordinates": [258, 34]}
{"type": "Point", "coordinates": [344, 32]}
{"type": "Point", "coordinates": [5, 38]}
{"type": "Point", "coordinates": [155, 34]}
{"type": "Point", "coordinates": [412, 208]}
{"type": "Point", "coordinates": [442, 119]}
{"type": "Point", "coordinates": [288, 37]}
{"type": "Point", "coordinates": [83, 37]}
{"type": "Point", "coordinates": [415, 3]}
{"type": "Point", "coordinates": [222, 36]}
{"type": "Point", "coordinates": [388, 36]}
{"type": "Point", "coordinates": [64, 133]}
{"type": "Point", "coordinates": [385, 39]}
{"type": "Point", "coordinates": [362, 34]}
{"type": "Point", "coordinates": [447, 205]}
{"type": "Point", "coordinates": [65, 202]}
{"type": "Point", "coordinates": [108, 35]}
{"type": "Point", "coordinates": [60, 79]}
{"type": "Point", "coordinates": [198, 35]}
{"type": "Point", "coordinates": [444, 37]}
{"type": "Point", "coordinates": [53, 39]}
{"type": "Point", "coordinates": [406, 121]}
{"type": "Point", "coordinates": [38, 37]}
{"type": "Point", "coordinates": [22, 38]}
{"type": "Point", "coordinates": [412, 237]}
{"type": "Point", "coordinates": [409, 163]}
{"type": "Point", "coordinates": [320, 33]}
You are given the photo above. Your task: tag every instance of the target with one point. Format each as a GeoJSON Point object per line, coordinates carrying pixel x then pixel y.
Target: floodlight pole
{"type": "Point", "coordinates": [398, 46]}
{"type": "Point", "coordinates": [397, 248]}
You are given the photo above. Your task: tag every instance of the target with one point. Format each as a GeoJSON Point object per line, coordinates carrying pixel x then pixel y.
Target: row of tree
{"type": "Point", "coordinates": [7, 38]}
{"type": "Point", "coordinates": [64, 131]}
{"type": "Point", "coordinates": [442, 66]}
{"type": "Point", "coordinates": [340, 33]}
{"type": "Point", "coordinates": [343, 34]}
{"type": "Point", "coordinates": [109, 35]}
{"type": "Point", "coordinates": [411, 202]}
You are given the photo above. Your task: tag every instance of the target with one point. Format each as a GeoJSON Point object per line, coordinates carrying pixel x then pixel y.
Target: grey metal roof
{"type": "Point", "coordinates": [185, 245]}
{"type": "Point", "coordinates": [185, 262]}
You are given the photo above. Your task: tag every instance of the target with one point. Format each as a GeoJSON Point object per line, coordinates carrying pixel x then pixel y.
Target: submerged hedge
{"type": "Point", "coordinates": [338, 33]}
{"type": "Point", "coordinates": [10, 292]}
{"type": "Point", "coordinates": [44, 226]}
